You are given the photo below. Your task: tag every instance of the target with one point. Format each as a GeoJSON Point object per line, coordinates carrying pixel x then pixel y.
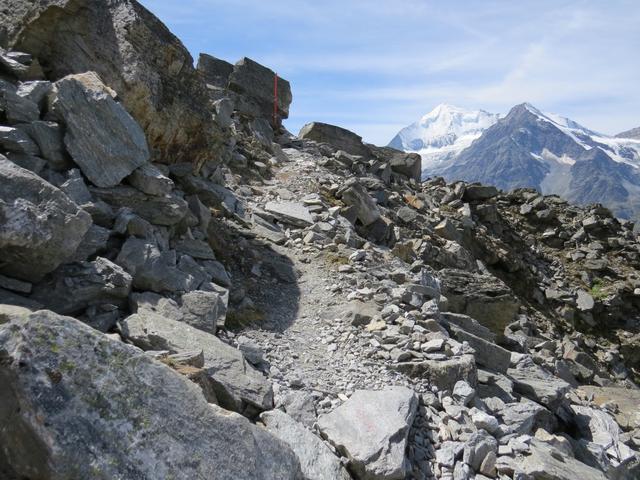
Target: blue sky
{"type": "Point", "coordinates": [374, 66]}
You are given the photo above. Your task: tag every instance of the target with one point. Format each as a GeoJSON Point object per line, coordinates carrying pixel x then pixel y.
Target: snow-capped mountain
{"type": "Point", "coordinates": [530, 148]}
{"type": "Point", "coordinates": [442, 134]}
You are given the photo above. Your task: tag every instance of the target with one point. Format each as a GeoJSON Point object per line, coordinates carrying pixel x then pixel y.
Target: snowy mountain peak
{"type": "Point", "coordinates": [443, 133]}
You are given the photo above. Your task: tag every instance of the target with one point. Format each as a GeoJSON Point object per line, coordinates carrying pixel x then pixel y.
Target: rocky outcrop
{"type": "Point", "coordinates": [162, 91]}
{"type": "Point", "coordinates": [339, 137]}
{"type": "Point", "coordinates": [40, 226]}
{"type": "Point", "coordinates": [371, 429]}
{"type": "Point", "coordinates": [80, 405]}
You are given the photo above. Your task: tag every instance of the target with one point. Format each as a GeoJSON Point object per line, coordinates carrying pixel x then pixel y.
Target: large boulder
{"type": "Point", "coordinates": [371, 429]}
{"type": "Point", "coordinates": [214, 71]}
{"type": "Point", "coordinates": [484, 297]}
{"type": "Point", "coordinates": [76, 404]}
{"type": "Point", "coordinates": [257, 82]}
{"type": "Point", "coordinates": [356, 196]}
{"type": "Point", "coordinates": [442, 373]}
{"type": "Point", "coordinates": [237, 385]}
{"type": "Point", "coordinates": [339, 137]}
{"type": "Point", "coordinates": [316, 460]}
{"type": "Point", "coordinates": [102, 138]}
{"type": "Point", "coordinates": [133, 53]}
{"type": "Point", "coordinates": [40, 227]}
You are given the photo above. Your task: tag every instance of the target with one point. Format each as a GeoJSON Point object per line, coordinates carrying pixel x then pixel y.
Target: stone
{"type": "Point", "coordinates": [301, 407]}
{"type": "Point", "coordinates": [625, 400]}
{"type": "Point", "coordinates": [17, 109]}
{"type": "Point", "coordinates": [537, 384]}
{"type": "Point", "coordinates": [355, 195]}
{"type": "Point", "coordinates": [134, 54]}
{"type": "Point", "coordinates": [76, 286]}
{"type": "Point", "coordinates": [600, 428]}
{"type": "Point", "coordinates": [360, 313]}
{"type": "Point", "coordinates": [477, 448]}
{"type": "Point", "coordinates": [48, 136]}
{"type": "Point", "coordinates": [340, 138]}
{"type": "Point", "coordinates": [484, 297]}
{"type": "Point", "coordinates": [487, 353]}
{"type": "Point", "coordinates": [40, 227]}
{"type": "Point", "coordinates": [371, 430]}
{"type": "Point", "coordinates": [407, 164]}
{"type": "Point", "coordinates": [72, 392]}
{"type": "Point", "coordinates": [200, 310]}
{"type": "Point", "coordinates": [215, 71]}
{"type": "Point", "coordinates": [159, 210]}
{"type": "Point", "coordinates": [35, 91]}
{"type": "Point", "coordinates": [237, 385]}
{"type": "Point", "coordinates": [584, 301]}
{"type": "Point", "coordinates": [545, 462]}
{"type": "Point", "coordinates": [463, 392]}
{"type": "Point", "coordinates": [16, 140]}
{"type": "Point", "coordinates": [94, 242]}
{"type": "Point", "coordinates": [484, 421]}
{"type": "Point", "coordinates": [256, 82]}
{"type": "Point", "coordinates": [316, 460]}
{"type": "Point", "coordinates": [293, 213]}
{"type": "Point", "coordinates": [149, 302]}
{"type": "Point", "coordinates": [152, 269]}
{"type": "Point", "coordinates": [100, 135]}
{"type": "Point", "coordinates": [477, 192]}
{"type": "Point", "coordinates": [442, 373]}
{"type": "Point", "coordinates": [448, 452]}
{"type": "Point", "coordinates": [150, 180]}
{"type": "Point", "coordinates": [470, 325]}
{"type": "Point", "coordinates": [524, 418]}
{"type": "Point", "coordinates": [15, 285]}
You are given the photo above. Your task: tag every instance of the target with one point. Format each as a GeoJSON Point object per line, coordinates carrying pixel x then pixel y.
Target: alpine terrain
{"type": "Point", "coordinates": [190, 291]}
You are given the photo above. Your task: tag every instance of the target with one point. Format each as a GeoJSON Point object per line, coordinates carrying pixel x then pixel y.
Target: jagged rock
{"type": "Point", "coordinates": [94, 242]}
{"type": "Point", "coordinates": [360, 313]}
{"type": "Point", "coordinates": [155, 270]}
{"type": "Point", "coordinates": [200, 310]}
{"type": "Point", "coordinates": [48, 137]}
{"type": "Point", "coordinates": [215, 72]}
{"type": "Point", "coordinates": [301, 407]}
{"type": "Point", "coordinates": [524, 418]}
{"type": "Point", "coordinates": [35, 91]}
{"type": "Point", "coordinates": [316, 460]}
{"type": "Point", "coordinates": [340, 138]}
{"type": "Point", "coordinates": [149, 302]}
{"type": "Point", "coordinates": [150, 180]}
{"type": "Point", "coordinates": [76, 286]}
{"type": "Point", "coordinates": [161, 90]}
{"type": "Point", "coordinates": [256, 82]}
{"type": "Point", "coordinates": [159, 210]}
{"type": "Point", "coordinates": [371, 429]}
{"type": "Point", "coordinates": [290, 212]}
{"type": "Point", "coordinates": [237, 385]}
{"type": "Point", "coordinates": [536, 383]}
{"type": "Point", "coordinates": [470, 325]}
{"type": "Point", "coordinates": [475, 192]}
{"type": "Point", "coordinates": [477, 448]}
{"type": "Point", "coordinates": [442, 373]}
{"type": "Point", "coordinates": [16, 109]}
{"type": "Point", "coordinates": [408, 164]}
{"type": "Point", "coordinates": [71, 391]}
{"type": "Point", "coordinates": [626, 402]}
{"type": "Point", "coordinates": [545, 462]}
{"type": "Point", "coordinates": [102, 138]}
{"type": "Point", "coordinates": [487, 353]}
{"type": "Point", "coordinates": [483, 297]}
{"type": "Point", "coordinates": [40, 227]}
{"type": "Point", "coordinates": [16, 140]}
{"type": "Point", "coordinates": [356, 196]}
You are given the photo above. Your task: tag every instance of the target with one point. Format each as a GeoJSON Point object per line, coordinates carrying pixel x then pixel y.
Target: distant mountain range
{"type": "Point", "coordinates": [529, 148]}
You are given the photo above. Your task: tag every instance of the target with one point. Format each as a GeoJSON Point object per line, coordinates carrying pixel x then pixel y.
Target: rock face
{"type": "Point", "coordinates": [40, 226]}
{"type": "Point", "coordinates": [339, 137]}
{"type": "Point", "coordinates": [237, 385]}
{"type": "Point", "coordinates": [316, 460]}
{"type": "Point", "coordinates": [103, 139]}
{"type": "Point", "coordinates": [255, 81]}
{"type": "Point", "coordinates": [75, 408]}
{"type": "Point", "coordinates": [371, 429]}
{"type": "Point", "coordinates": [162, 91]}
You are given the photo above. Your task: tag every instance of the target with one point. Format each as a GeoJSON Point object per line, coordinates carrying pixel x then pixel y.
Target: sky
{"type": "Point", "coordinates": [375, 66]}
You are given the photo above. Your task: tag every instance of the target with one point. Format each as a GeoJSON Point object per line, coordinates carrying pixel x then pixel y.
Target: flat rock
{"type": "Point", "coordinates": [237, 385]}
{"type": "Point", "coordinates": [488, 354]}
{"type": "Point", "coordinates": [40, 226]}
{"type": "Point", "coordinates": [316, 459]}
{"type": "Point", "coordinates": [442, 373]}
{"type": "Point", "coordinates": [74, 398]}
{"type": "Point", "coordinates": [536, 383]}
{"type": "Point", "coordinates": [101, 136]}
{"type": "Point", "coordinates": [545, 462]}
{"type": "Point", "coordinates": [290, 212]}
{"type": "Point", "coordinates": [339, 137]}
{"type": "Point", "coordinates": [371, 429]}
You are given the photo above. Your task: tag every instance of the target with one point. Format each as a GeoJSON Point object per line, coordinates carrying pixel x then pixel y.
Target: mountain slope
{"type": "Point", "coordinates": [633, 133]}
{"type": "Point", "coordinates": [442, 134]}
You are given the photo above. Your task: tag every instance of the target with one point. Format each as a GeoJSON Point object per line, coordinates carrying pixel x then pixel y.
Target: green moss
{"type": "Point", "coordinates": [598, 289]}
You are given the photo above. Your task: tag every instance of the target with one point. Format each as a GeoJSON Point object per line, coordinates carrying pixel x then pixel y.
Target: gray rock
{"type": "Point", "coordinates": [16, 140]}
{"type": "Point", "coordinates": [17, 109]}
{"type": "Point", "coordinates": [355, 195]}
{"type": "Point", "coordinates": [584, 301]}
{"type": "Point", "coordinates": [154, 270]}
{"type": "Point", "coordinates": [102, 138]}
{"type": "Point", "coordinates": [40, 227]}
{"type": "Point", "coordinates": [200, 310]}
{"type": "Point", "coordinates": [448, 452]}
{"type": "Point", "coordinates": [536, 383]}
{"type": "Point", "coordinates": [149, 302]}
{"type": "Point", "coordinates": [48, 137]}
{"type": "Point", "coordinates": [15, 285]}
{"type": "Point", "coordinates": [237, 385]}
{"type": "Point", "coordinates": [255, 81]}
{"type": "Point", "coordinates": [35, 91]}
{"type": "Point", "coordinates": [94, 242]}
{"type": "Point", "coordinates": [301, 407]}
{"type": "Point", "coordinates": [371, 429]}
{"type": "Point", "coordinates": [73, 394]}
{"type": "Point", "coordinates": [487, 353]}
{"type": "Point", "coordinates": [470, 325]}
{"type": "Point", "coordinates": [477, 448]}
{"type": "Point", "coordinates": [340, 138]}
{"type": "Point", "coordinates": [545, 462]}
{"type": "Point", "coordinates": [484, 297]}
{"type": "Point", "coordinates": [214, 71]}
{"type": "Point", "coordinates": [407, 164]}
{"type": "Point", "coordinates": [159, 210]}
{"type": "Point", "coordinates": [524, 418]}
{"type": "Point", "coordinates": [75, 286]}
{"type": "Point", "coordinates": [290, 212]}
{"type": "Point", "coordinates": [360, 313]}
{"type": "Point", "coordinates": [316, 460]}
{"type": "Point", "coordinates": [463, 392]}
{"type": "Point", "coordinates": [150, 180]}
{"type": "Point", "coordinates": [442, 373]}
